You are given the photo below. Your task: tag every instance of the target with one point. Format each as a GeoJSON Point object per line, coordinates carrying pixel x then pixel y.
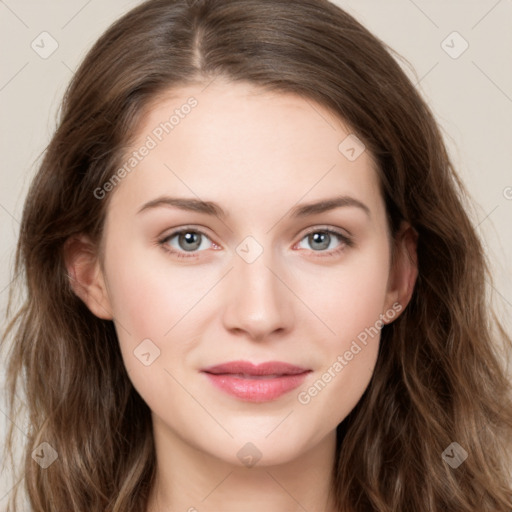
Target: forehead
{"type": "Point", "coordinates": [235, 140]}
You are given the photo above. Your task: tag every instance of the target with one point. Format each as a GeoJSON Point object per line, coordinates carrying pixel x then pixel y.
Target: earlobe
{"type": "Point", "coordinates": [86, 276]}
{"type": "Point", "coordinates": [405, 267]}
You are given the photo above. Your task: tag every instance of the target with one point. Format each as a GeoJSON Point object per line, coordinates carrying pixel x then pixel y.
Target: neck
{"type": "Point", "coordinates": [188, 479]}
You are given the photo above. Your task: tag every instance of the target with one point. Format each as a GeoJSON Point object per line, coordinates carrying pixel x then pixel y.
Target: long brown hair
{"type": "Point", "coordinates": [439, 378]}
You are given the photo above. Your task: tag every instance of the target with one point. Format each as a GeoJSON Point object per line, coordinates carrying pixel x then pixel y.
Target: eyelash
{"type": "Point", "coordinates": [346, 242]}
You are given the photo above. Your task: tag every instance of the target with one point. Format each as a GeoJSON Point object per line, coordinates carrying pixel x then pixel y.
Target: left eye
{"type": "Point", "coordinates": [320, 240]}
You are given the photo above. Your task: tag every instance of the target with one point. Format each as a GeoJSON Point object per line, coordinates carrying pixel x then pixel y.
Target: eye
{"type": "Point", "coordinates": [321, 239]}
{"type": "Point", "coordinates": [185, 241]}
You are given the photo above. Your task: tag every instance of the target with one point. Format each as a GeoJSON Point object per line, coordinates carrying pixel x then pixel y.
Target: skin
{"type": "Point", "coordinates": [258, 155]}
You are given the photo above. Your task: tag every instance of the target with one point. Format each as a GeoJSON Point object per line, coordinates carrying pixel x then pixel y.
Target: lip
{"type": "Point", "coordinates": [256, 383]}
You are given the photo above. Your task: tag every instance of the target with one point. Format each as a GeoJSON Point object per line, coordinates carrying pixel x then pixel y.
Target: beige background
{"type": "Point", "coordinates": [471, 96]}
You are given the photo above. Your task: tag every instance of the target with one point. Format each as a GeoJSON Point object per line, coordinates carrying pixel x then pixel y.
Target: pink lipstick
{"type": "Point", "coordinates": [256, 383]}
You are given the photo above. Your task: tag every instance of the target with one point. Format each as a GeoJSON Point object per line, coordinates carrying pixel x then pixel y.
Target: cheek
{"type": "Point", "coordinates": [350, 297]}
{"type": "Point", "coordinates": [350, 302]}
{"type": "Point", "coordinates": [147, 304]}
{"type": "Point", "coordinates": [150, 299]}
{"type": "Point", "coordinates": [156, 299]}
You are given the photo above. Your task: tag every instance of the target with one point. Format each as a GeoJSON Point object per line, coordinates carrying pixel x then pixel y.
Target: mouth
{"type": "Point", "coordinates": [256, 383]}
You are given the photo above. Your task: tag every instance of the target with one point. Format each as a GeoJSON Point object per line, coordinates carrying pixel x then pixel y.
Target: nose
{"type": "Point", "coordinates": [259, 304]}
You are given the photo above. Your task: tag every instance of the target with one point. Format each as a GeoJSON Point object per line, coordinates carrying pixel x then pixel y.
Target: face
{"type": "Point", "coordinates": [263, 276]}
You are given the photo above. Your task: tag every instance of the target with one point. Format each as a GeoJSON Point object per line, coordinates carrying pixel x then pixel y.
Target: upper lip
{"type": "Point", "coordinates": [248, 368]}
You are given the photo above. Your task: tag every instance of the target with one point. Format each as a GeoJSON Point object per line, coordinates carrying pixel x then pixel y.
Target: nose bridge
{"type": "Point", "coordinates": [258, 302]}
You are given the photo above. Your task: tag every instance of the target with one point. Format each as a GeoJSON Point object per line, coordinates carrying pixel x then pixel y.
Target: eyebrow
{"type": "Point", "coordinates": [211, 208]}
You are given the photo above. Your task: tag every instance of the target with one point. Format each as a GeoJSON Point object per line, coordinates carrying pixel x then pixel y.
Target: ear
{"type": "Point", "coordinates": [404, 270]}
{"type": "Point", "coordinates": [86, 276]}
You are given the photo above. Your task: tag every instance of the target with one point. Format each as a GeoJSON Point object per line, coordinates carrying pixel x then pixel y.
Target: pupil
{"type": "Point", "coordinates": [189, 238]}
{"type": "Point", "coordinates": [322, 238]}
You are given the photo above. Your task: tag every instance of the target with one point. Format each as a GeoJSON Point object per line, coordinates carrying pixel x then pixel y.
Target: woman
{"type": "Point", "coordinates": [252, 282]}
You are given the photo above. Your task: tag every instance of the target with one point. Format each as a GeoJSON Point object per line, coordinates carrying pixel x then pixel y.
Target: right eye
{"type": "Point", "coordinates": [186, 240]}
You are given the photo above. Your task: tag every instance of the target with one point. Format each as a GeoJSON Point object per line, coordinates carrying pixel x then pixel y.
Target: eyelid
{"type": "Point", "coordinates": [179, 229]}
{"type": "Point", "coordinates": [330, 229]}
{"type": "Point", "coordinates": [312, 229]}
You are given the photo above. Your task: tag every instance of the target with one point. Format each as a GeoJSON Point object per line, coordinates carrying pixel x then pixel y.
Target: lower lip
{"type": "Point", "coordinates": [256, 389]}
